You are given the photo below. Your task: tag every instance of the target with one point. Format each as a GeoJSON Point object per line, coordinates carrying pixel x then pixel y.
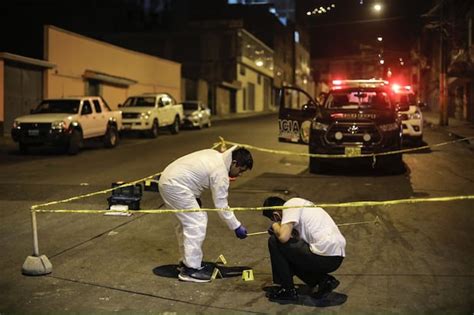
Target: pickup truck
{"type": "Point", "coordinates": [147, 113]}
{"type": "Point", "coordinates": [356, 118]}
{"type": "Point", "coordinates": [67, 122]}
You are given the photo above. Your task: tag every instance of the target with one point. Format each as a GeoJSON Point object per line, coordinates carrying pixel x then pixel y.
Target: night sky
{"type": "Point", "coordinates": [341, 30]}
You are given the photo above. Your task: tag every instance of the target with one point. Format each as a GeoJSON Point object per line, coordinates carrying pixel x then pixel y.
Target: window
{"type": "Point", "coordinates": [97, 107]}
{"type": "Point", "coordinates": [86, 108]}
{"type": "Point", "coordinates": [242, 69]}
{"type": "Point", "coordinates": [251, 96]}
{"type": "Point", "coordinates": [93, 88]}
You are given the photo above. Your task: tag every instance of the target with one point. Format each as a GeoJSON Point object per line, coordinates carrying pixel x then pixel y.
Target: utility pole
{"type": "Point", "coordinates": [443, 90]}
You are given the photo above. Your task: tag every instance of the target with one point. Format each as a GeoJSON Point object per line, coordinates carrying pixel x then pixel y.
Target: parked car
{"type": "Point", "coordinates": [147, 113]}
{"type": "Point", "coordinates": [357, 117]}
{"type": "Point", "coordinates": [196, 114]}
{"type": "Point", "coordinates": [412, 119]}
{"type": "Point", "coordinates": [68, 122]}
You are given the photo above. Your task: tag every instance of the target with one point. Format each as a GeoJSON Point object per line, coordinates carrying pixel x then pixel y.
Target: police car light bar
{"type": "Point", "coordinates": [398, 88]}
{"type": "Point", "coordinates": [355, 83]}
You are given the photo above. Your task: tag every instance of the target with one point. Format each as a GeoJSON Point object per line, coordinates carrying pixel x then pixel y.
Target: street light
{"type": "Point", "coordinates": [380, 38]}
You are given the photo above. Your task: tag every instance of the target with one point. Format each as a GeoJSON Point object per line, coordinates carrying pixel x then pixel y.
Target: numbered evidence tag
{"type": "Point", "coordinates": [216, 273]}
{"type": "Point", "coordinates": [247, 275]}
{"type": "Point", "coordinates": [221, 259]}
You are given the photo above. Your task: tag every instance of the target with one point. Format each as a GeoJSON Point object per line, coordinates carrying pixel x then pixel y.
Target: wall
{"type": "Point", "coordinates": [250, 76]}
{"type": "Point", "coordinates": [74, 54]}
{"type": "Point", "coordinates": [2, 96]}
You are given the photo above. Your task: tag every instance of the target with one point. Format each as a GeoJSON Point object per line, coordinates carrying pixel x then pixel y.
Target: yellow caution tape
{"type": "Point", "coordinates": [94, 193]}
{"type": "Point", "coordinates": [223, 146]}
{"type": "Point", "coordinates": [323, 205]}
{"type": "Point", "coordinates": [247, 275]}
{"type": "Point", "coordinates": [284, 152]}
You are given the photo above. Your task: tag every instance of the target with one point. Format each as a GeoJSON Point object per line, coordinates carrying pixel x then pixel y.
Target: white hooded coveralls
{"type": "Point", "coordinates": [182, 182]}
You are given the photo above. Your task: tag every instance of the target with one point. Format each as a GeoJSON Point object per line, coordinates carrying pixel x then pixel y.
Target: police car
{"type": "Point", "coordinates": [412, 119]}
{"type": "Point", "coordinates": [357, 117]}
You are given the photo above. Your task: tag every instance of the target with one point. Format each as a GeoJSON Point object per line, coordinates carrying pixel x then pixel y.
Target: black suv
{"type": "Point", "coordinates": [355, 118]}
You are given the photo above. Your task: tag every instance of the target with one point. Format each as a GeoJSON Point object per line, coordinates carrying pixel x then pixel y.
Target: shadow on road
{"type": "Point", "coordinates": [305, 298]}
{"type": "Point", "coordinates": [171, 271]}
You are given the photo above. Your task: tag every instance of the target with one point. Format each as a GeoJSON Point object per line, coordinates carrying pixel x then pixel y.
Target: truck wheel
{"type": "Point", "coordinates": [153, 133]}
{"type": "Point", "coordinates": [174, 128]}
{"type": "Point", "coordinates": [111, 137]}
{"type": "Point", "coordinates": [23, 148]}
{"type": "Point", "coordinates": [316, 165]}
{"type": "Point", "coordinates": [75, 143]}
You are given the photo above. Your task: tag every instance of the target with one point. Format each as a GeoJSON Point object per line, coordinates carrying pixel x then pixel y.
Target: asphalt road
{"type": "Point", "coordinates": [417, 259]}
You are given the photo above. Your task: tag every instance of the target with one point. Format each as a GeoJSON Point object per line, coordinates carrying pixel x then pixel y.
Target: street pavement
{"type": "Point", "coordinates": [409, 263]}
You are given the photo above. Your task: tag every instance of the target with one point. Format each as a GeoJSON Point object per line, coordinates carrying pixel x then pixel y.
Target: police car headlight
{"type": "Point", "coordinates": [416, 115]}
{"type": "Point", "coordinates": [316, 125]}
{"type": "Point", "coordinates": [389, 127]}
{"type": "Point", "coordinates": [59, 124]}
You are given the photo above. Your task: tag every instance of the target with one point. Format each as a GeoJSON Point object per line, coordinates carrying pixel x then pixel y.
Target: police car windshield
{"type": "Point", "coordinates": [58, 106]}
{"type": "Point", "coordinates": [357, 98]}
{"type": "Point", "coordinates": [140, 102]}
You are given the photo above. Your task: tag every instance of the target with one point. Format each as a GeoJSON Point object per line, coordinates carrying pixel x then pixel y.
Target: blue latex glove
{"type": "Point", "coordinates": [241, 232]}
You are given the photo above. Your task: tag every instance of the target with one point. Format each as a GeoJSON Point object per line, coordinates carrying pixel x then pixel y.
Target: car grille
{"type": "Point", "coordinates": [39, 126]}
{"type": "Point", "coordinates": [353, 133]}
{"type": "Point", "coordinates": [130, 115]}
{"type": "Point", "coordinates": [35, 130]}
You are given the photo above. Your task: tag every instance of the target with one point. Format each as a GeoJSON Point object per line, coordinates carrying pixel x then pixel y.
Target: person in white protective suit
{"type": "Point", "coordinates": [181, 184]}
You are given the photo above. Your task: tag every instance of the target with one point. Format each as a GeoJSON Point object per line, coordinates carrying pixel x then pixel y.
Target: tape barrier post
{"type": "Point", "coordinates": [36, 265]}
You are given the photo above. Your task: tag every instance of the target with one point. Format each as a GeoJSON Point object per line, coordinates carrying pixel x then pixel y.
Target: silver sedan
{"type": "Point", "coordinates": [196, 114]}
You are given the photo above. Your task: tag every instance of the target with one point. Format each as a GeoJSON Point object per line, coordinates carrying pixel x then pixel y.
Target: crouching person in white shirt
{"type": "Point", "coordinates": [304, 241]}
{"type": "Point", "coordinates": [181, 184]}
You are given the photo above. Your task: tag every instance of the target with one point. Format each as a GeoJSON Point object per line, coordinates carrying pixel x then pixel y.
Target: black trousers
{"type": "Point", "coordinates": [294, 258]}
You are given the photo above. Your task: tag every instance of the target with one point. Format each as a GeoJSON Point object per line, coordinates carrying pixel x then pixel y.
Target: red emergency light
{"type": "Point", "coordinates": [398, 88]}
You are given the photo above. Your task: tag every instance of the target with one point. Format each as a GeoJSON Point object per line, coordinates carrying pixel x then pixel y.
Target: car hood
{"type": "Point", "coordinates": [413, 109]}
{"type": "Point", "coordinates": [136, 109]}
{"type": "Point", "coordinates": [43, 118]}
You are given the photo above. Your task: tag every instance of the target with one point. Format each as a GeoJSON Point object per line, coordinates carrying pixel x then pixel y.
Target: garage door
{"type": "Point", "coordinates": [23, 91]}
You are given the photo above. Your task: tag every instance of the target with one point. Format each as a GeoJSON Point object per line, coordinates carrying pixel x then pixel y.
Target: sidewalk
{"type": "Point", "coordinates": [457, 128]}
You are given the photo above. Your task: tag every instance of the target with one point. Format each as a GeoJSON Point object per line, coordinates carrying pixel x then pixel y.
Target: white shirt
{"type": "Point", "coordinates": [315, 227]}
{"type": "Point", "coordinates": [201, 170]}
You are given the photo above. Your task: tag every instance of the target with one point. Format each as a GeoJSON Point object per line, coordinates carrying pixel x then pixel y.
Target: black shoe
{"type": "Point", "coordinates": [181, 265]}
{"type": "Point", "coordinates": [195, 275]}
{"type": "Point", "coordinates": [325, 287]}
{"type": "Point", "coordinates": [283, 294]}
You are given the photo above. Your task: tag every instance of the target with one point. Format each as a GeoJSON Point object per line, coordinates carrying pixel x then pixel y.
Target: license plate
{"type": "Point", "coordinates": [127, 126]}
{"type": "Point", "coordinates": [33, 132]}
{"type": "Point", "coordinates": [352, 151]}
